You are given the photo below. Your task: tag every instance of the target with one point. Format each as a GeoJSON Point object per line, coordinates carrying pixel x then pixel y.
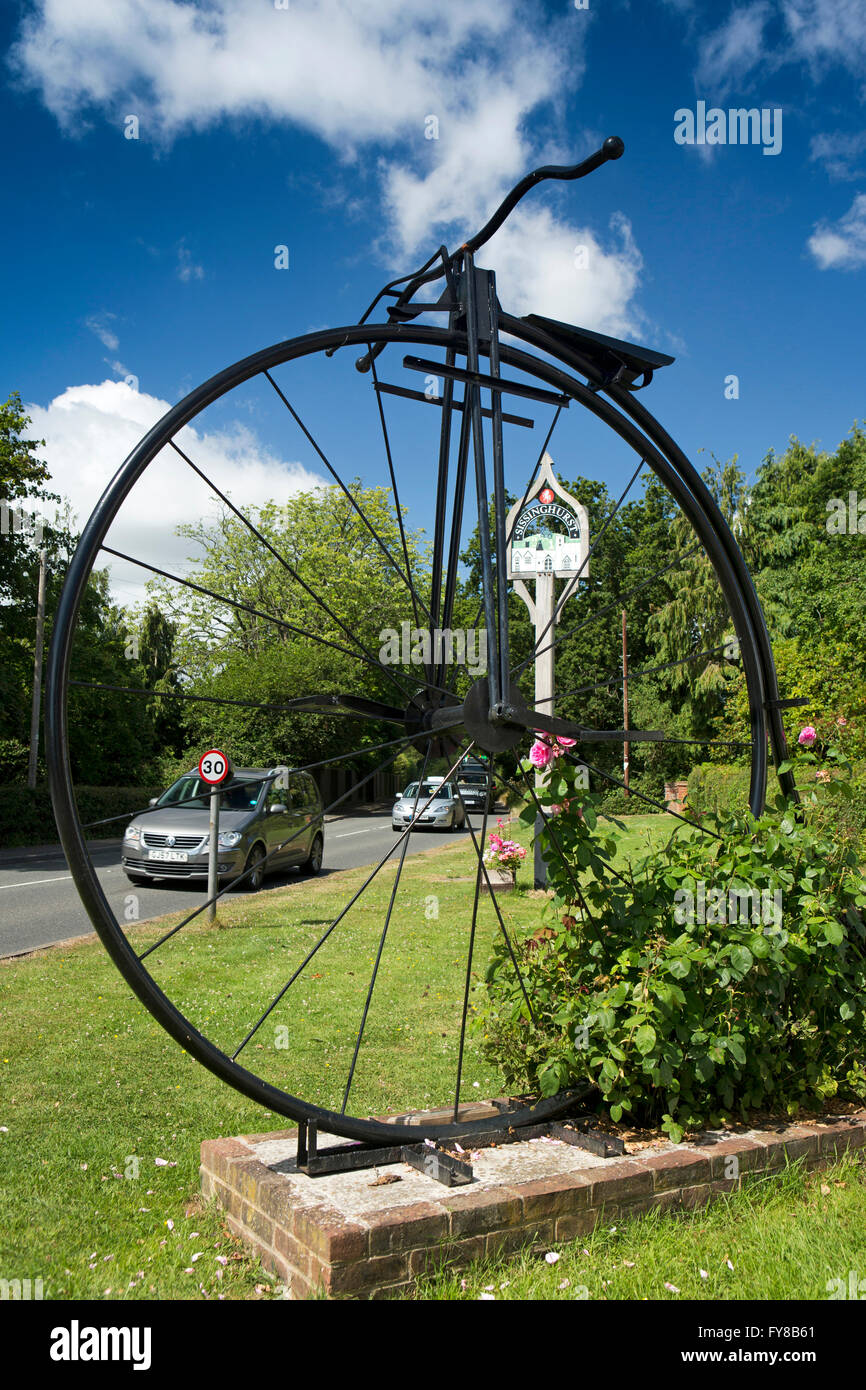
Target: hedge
{"type": "Point", "coordinates": [720, 788]}
{"type": "Point", "coordinates": [724, 789]}
{"type": "Point", "coordinates": [27, 818]}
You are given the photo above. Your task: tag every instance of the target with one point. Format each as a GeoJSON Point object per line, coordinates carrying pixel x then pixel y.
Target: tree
{"type": "Point", "coordinates": [310, 622]}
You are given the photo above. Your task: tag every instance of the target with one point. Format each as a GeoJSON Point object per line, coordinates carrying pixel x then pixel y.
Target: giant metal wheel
{"type": "Point", "coordinates": [533, 360]}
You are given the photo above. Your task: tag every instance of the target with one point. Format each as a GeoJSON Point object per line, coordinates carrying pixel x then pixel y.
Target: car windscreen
{"type": "Point", "coordinates": [190, 791]}
{"type": "Point", "coordinates": [428, 789]}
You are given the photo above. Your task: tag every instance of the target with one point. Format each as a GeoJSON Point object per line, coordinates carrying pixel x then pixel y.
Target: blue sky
{"type": "Point", "coordinates": [305, 126]}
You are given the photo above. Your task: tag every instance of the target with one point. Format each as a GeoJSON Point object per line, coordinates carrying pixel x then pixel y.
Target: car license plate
{"type": "Point", "coordinates": [169, 856]}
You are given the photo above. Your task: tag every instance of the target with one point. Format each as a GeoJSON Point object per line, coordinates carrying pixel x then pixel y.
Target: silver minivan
{"type": "Point", "coordinates": [270, 820]}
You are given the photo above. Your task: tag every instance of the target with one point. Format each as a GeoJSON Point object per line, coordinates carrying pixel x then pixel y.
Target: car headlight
{"type": "Point", "coordinates": [229, 838]}
{"type": "Point", "coordinates": [132, 835]}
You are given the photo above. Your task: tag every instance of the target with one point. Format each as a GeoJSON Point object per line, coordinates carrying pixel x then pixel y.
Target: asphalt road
{"type": "Point", "coordinates": [39, 903]}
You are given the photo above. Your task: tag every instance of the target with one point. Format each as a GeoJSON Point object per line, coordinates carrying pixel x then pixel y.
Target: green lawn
{"type": "Point", "coordinates": [102, 1115]}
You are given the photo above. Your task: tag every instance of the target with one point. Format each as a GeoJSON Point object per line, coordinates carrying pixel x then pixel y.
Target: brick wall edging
{"type": "Point", "coordinates": [311, 1246]}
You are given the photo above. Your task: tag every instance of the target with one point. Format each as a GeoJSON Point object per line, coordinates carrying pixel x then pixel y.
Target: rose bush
{"type": "Point", "coordinates": [688, 1020]}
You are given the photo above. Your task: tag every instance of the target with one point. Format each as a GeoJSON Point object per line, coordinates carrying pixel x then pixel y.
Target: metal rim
{"type": "Point", "coordinates": [645, 438]}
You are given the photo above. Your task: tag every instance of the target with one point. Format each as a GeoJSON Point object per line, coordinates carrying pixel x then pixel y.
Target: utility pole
{"type": "Point", "coordinates": [624, 703]}
{"type": "Point", "coordinates": [37, 672]}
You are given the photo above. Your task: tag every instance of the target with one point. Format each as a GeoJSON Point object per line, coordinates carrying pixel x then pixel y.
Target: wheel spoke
{"type": "Point", "coordinates": [695, 825]}
{"type": "Point", "coordinates": [456, 525]}
{"type": "Point", "coordinates": [442, 491]}
{"type": "Point", "coordinates": [469, 954]}
{"type": "Point", "coordinates": [384, 934]}
{"type": "Point", "coordinates": [397, 508]}
{"type": "Point", "coordinates": [300, 704]}
{"type": "Point", "coordinates": [281, 559]}
{"type": "Point", "coordinates": [572, 581]}
{"type": "Point", "coordinates": [618, 603]}
{"type": "Point", "coordinates": [276, 850]}
{"type": "Point", "coordinates": [407, 578]}
{"type": "Point", "coordinates": [533, 475]}
{"type": "Point", "coordinates": [256, 612]}
{"type": "Point", "coordinates": [498, 496]}
{"type": "Point", "coordinates": [479, 850]}
{"type": "Point", "coordinates": [548, 818]}
{"type": "Point", "coordinates": [324, 937]}
{"type": "Point", "coordinates": [557, 846]}
{"type": "Point", "coordinates": [616, 676]}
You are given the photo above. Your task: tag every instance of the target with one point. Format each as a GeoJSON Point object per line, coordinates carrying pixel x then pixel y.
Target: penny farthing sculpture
{"type": "Point", "coordinates": [501, 377]}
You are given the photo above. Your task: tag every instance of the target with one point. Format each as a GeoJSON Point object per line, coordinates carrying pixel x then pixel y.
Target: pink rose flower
{"type": "Point", "coordinates": [807, 736]}
{"type": "Point", "coordinates": [842, 721]}
{"type": "Point", "coordinates": [565, 742]}
{"type": "Point", "coordinates": [540, 754]}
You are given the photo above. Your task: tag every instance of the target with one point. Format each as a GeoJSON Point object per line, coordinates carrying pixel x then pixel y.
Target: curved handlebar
{"type": "Point", "coordinates": [612, 148]}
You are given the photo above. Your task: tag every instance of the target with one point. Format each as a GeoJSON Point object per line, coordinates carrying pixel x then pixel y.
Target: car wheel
{"type": "Point", "coordinates": [254, 870]}
{"type": "Point", "coordinates": [313, 862]}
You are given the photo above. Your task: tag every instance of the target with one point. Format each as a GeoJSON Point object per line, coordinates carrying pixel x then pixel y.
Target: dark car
{"type": "Point", "coordinates": [472, 779]}
{"type": "Point", "coordinates": [270, 820]}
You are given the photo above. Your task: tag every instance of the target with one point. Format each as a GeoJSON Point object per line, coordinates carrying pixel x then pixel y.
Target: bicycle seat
{"type": "Point", "coordinates": [618, 360]}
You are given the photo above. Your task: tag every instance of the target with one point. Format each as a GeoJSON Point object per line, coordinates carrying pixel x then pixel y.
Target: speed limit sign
{"type": "Point", "coordinates": [214, 767]}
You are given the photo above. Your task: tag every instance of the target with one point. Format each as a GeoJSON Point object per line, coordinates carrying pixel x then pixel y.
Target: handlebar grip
{"type": "Point", "coordinates": [612, 148]}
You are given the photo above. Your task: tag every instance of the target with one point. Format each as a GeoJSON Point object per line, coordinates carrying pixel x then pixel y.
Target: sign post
{"type": "Point", "coordinates": [214, 768]}
{"type": "Point", "coordinates": [549, 540]}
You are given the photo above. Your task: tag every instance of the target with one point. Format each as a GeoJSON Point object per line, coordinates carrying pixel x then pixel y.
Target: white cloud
{"type": "Point", "coordinates": [824, 33]}
{"type": "Point", "coordinates": [727, 55]}
{"type": "Point", "coordinates": [766, 35]}
{"type": "Point", "coordinates": [357, 75]}
{"type": "Point", "coordinates": [842, 245]}
{"type": "Point", "coordinates": [576, 280]}
{"type": "Point", "coordinates": [98, 324]}
{"type": "Point", "coordinates": [839, 152]}
{"type": "Point", "coordinates": [187, 268]}
{"type": "Point", "coordinates": [347, 71]}
{"type": "Point", "coordinates": [88, 432]}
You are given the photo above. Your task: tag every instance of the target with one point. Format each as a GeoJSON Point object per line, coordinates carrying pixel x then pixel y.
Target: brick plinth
{"type": "Point", "coordinates": [350, 1235]}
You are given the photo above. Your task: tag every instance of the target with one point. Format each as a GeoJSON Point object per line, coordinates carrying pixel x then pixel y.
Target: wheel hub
{"type": "Point", "coordinates": [488, 725]}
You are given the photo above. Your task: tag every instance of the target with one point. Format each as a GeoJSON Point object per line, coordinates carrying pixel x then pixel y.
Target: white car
{"type": "Point", "coordinates": [444, 811]}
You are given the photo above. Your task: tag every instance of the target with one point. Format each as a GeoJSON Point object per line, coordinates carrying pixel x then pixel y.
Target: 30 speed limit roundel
{"type": "Point", "coordinates": [214, 767]}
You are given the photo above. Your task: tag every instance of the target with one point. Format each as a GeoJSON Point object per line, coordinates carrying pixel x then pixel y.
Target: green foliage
{"type": "Point", "coordinates": [680, 1002]}
{"type": "Point", "coordinates": [718, 788]}
{"type": "Point", "coordinates": [330, 558]}
{"type": "Point", "coordinates": [27, 818]}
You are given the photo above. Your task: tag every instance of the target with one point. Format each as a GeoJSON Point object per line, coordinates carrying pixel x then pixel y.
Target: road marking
{"type": "Point", "coordinates": [344, 834]}
{"type": "Point", "coordinates": [30, 882]}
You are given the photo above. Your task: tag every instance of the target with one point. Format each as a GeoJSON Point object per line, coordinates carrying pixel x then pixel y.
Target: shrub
{"type": "Point", "coordinates": [719, 788]}
{"type": "Point", "coordinates": [658, 987]}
